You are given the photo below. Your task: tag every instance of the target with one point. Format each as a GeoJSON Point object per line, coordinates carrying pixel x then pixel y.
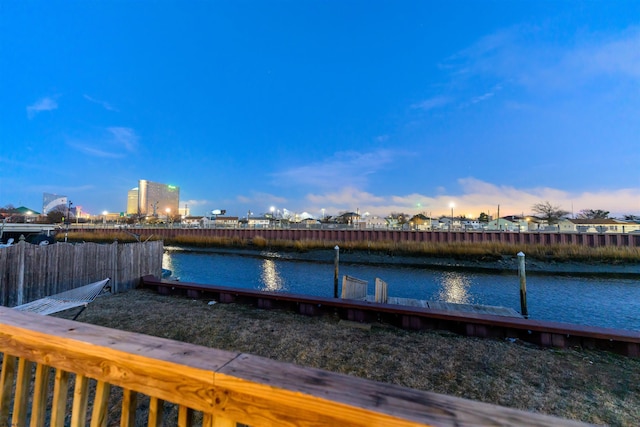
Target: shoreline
{"type": "Point", "coordinates": [503, 265]}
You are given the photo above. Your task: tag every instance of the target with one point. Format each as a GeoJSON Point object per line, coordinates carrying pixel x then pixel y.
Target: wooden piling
{"type": "Point", "coordinates": [335, 272]}
{"type": "Point", "coordinates": [523, 285]}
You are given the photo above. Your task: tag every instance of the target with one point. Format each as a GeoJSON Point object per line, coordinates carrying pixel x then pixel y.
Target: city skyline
{"type": "Point", "coordinates": [380, 107]}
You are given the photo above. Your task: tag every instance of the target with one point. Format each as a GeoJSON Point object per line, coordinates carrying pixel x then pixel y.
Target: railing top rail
{"type": "Point", "coordinates": [245, 388]}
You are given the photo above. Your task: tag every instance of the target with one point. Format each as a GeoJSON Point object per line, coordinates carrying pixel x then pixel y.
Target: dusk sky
{"type": "Point", "coordinates": [394, 106]}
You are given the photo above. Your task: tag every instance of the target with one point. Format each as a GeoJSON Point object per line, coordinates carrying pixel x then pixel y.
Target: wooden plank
{"type": "Point", "coordinates": [207, 420]}
{"type": "Point", "coordinates": [353, 288]}
{"type": "Point", "coordinates": [22, 393]}
{"type": "Point", "coordinates": [258, 391]}
{"type": "Point", "coordinates": [223, 422]}
{"type": "Point", "coordinates": [408, 302]}
{"type": "Point", "coordinates": [80, 401]}
{"type": "Point", "coordinates": [40, 395]}
{"type": "Point", "coordinates": [7, 377]}
{"type": "Point", "coordinates": [156, 412]}
{"type": "Point", "coordinates": [185, 416]}
{"type": "Point", "coordinates": [60, 397]}
{"type": "Point", "coordinates": [100, 412]}
{"type": "Point", "coordinates": [381, 295]}
{"type": "Point", "coordinates": [129, 406]}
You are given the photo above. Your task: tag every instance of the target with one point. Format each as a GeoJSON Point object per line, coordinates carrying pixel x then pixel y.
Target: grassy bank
{"type": "Point", "coordinates": [590, 386]}
{"type": "Point", "coordinates": [477, 251]}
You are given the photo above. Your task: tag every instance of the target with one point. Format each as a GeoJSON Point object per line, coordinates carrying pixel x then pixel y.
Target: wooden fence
{"type": "Point", "coordinates": [29, 272]}
{"type": "Point", "coordinates": [142, 380]}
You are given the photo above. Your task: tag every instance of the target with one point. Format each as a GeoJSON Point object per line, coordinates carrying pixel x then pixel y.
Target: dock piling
{"type": "Point", "coordinates": [335, 273]}
{"type": "Point", "coordinates": [523, 285]}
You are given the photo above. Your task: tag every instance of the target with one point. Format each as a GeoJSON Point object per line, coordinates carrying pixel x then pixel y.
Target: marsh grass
{"type": "Point", "coordinates": [487, 251]}
{"type": "Point", "coordinates": [590, 386]}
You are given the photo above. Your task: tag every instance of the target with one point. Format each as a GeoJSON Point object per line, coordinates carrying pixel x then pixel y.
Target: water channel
{"type": "Point", "coordinates": [595, 301]}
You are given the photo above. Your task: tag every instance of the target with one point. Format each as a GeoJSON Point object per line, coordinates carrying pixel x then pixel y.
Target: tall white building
{"type": "Point", "coordinates": [153, 199]}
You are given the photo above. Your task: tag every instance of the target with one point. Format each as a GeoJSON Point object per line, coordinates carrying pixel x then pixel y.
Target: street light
{"type": "Point", "coordinates": [104, 217]}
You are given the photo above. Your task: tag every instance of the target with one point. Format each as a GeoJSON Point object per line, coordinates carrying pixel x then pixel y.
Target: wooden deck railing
{"type": "Point", "coordinates": [44, 357]}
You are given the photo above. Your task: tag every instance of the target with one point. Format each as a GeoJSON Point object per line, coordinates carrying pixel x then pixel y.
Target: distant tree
{"type": "Point", "coordinates": [548, 212]}
{"type": "Point", "coordinates": [593, 214]}
{"type": "Point", "coordinates": [57, 214]}
{"type": "Point", "coordinates": [484, 218]}
{"type": "Point", "coordinates": [631, 217]}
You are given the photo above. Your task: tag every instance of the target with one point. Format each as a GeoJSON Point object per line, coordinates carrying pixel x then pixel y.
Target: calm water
{"type": "Point", "coordinates": [613, 303]}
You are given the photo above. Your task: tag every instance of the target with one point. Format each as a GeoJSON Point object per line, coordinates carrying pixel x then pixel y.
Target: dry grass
{"type": "Point", "coordinates": [591, 386]}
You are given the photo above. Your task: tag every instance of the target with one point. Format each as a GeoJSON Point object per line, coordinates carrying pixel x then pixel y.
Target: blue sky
{"type": "Point", "coordinates": [394, 106]}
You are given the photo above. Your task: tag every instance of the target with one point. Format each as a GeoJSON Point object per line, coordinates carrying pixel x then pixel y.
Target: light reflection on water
{"type": "Point", "coordinates": [454, 287]}
{"type": "Point", "coordinates": [167, 261]}
{"type": "Point", "coordinates": [271, 278]}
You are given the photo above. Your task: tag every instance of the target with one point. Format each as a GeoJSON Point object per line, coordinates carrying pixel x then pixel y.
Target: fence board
{"type": "Point", "coordinates": [60, 267]}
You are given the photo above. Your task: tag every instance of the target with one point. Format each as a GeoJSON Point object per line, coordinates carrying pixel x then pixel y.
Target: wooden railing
{"type": "Point", "coordinates": [44, 357]}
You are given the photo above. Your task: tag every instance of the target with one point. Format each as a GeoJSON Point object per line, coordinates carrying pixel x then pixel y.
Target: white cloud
{"type": "Point", "coordinates": [43, 104]}
{"type": "Point", "coordinates": [432, 103]}
{"type": "Point", "coordinates": [529, 57]}
{"type": "Point", "coordinates": [125, 137]}
{"type": "Point", "coordinates": [94, 151]}
{"type": "Point", "coordinates": [616, 56]}
{"type": "Point", "coordinates": [115, 142]}
{"type": "Point", "coordinates": [477, 196]}
{"type": "Point", "coordinates": [104, 104]}
{"type": "Point", "coordinates": [344, 168]}
{"type": "Point", "coordinates": [265, 200]}
{"type": "Point", "coordinates": [348, 196]}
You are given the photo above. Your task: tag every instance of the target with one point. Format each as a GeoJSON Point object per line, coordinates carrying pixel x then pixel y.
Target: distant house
{"type": "Point", "coordinates": [310, 222]}
{"type": "Point", "coordinates": [258, 222]}
{"type": "Point", "coordinates": [376, 222]}
{"type": "Point", "coordinates": [392, 223]}
{"type": "Point", "coordinates": [503, 224]}
{"type": "Point", "coordinates": [423, 222]}
{"type": "Point", "coordinates": [224, 222]}
{"type": "Point", "coordinates": [603, 225]}
{"type": "Point", "coordinates": [471, 224]}
{"type": "Point", "coordinates": [447, 223]}
{"type": "Point", "coordinates": [347, 218]}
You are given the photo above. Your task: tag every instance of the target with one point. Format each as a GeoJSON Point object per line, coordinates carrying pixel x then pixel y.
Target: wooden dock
{"type": "Point", "coordinates": [356, 289]}
{"type": "Point", "coordinates": [544, 333]}
{"type": "Point", "coordinates": [449, 306]}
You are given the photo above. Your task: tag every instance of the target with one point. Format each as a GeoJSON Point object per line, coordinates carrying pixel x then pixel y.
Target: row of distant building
{"type": "Point", "coordinates": [421, 222]}
{"type": "Point", "coordinates": [156, 200]}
